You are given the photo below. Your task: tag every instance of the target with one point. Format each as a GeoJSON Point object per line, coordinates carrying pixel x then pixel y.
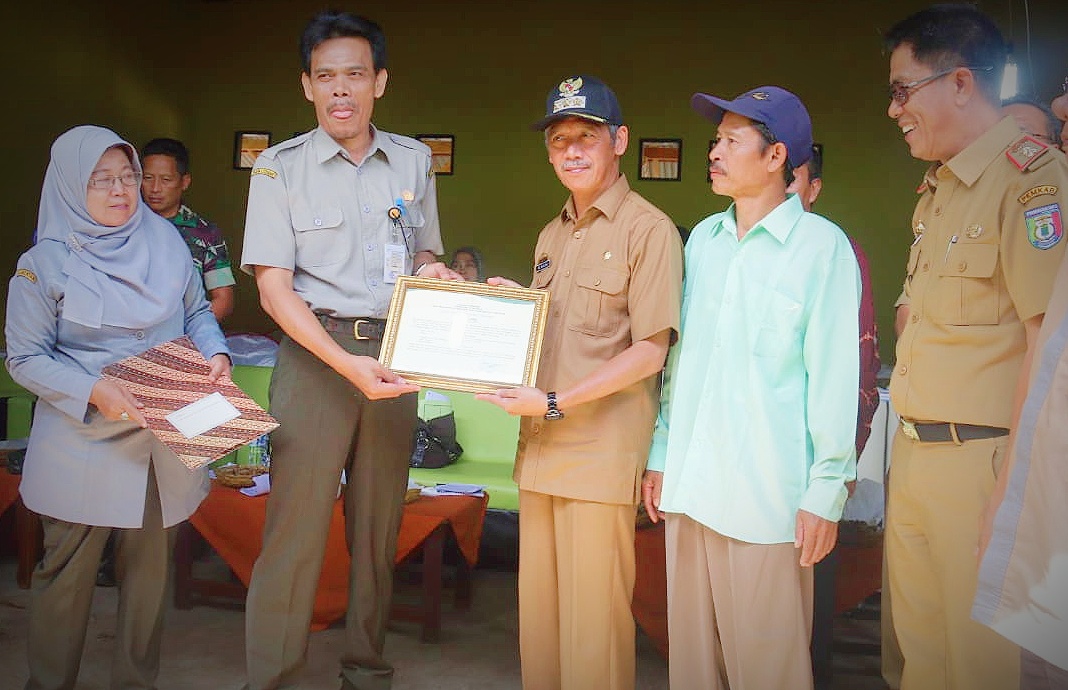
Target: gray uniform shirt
{"type": "Point", "coordinates": [316, 212]}
{"type": "Point", "coordinates": [79, 466]}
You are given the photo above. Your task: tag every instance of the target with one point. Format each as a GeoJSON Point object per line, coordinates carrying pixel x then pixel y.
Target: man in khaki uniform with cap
{"type": "Point", "coordinates": [334, 216]}
{"type": "Point", "coordinates": [989, 238]}
{"type": "Point", "coordinates": [613, 265]}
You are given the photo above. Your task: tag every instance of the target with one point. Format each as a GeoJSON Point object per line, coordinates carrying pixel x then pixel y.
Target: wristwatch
{"type": "Point", "coordinates": [553, 412]}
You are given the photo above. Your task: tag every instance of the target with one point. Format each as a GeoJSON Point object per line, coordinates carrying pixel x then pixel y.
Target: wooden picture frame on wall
{"type": "Point", "coordinates": [442, 152]}
{"type": "Point", "coordinates": [248, 144]}
{"type": "Point", "coordinates": [660, 159]}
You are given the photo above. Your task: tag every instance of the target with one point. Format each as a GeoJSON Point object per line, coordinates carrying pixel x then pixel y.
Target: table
{"type": "Point", "coordinates": [233, 524]}
{"type": "Point", "coordinates": [28, 532]}
{"type": "Point", "coordinates": [9, 489]}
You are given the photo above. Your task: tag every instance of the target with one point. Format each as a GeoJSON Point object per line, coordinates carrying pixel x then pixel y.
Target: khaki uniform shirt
{"type": "Point", "coordinates": [989, 240]}
{"type": "Point", "coordinates": [615, 278]}
{"type": "Point", "coordinates": [1024, 575]}
{"type": "Point", "coordinates": [316, 212]}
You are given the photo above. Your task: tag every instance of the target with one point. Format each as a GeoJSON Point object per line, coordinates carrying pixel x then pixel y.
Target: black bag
{"type": "Point", "coordinates": [435, 443]}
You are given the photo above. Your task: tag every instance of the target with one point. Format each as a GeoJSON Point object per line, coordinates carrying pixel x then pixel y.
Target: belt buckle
{"type": "Point", "coordinates": [356, 329]}
{"type": "Point", "coordinates": [909, 429]}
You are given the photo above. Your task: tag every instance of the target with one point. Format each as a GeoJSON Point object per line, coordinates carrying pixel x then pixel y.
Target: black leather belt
{"type": "Point", "coordinates": [363, 328]}
{"type": "Point", "coordinates": [943, 432]}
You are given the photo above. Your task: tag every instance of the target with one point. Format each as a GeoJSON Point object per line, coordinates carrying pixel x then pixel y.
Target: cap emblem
{"type": "Point", "coordinates": [760, 96]}
{"type": "Point", "coordinates": [568, 102]}
{"type": "Point", "coordinates": [570, 86]}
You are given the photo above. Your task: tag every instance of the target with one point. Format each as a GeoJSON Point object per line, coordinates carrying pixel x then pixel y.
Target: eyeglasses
{"type": "Point", "coordinates": [130, 178]}
{"type": "Point", "coordinates": [900, 93]}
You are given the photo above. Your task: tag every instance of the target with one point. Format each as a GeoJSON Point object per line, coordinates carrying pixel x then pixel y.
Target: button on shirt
{"type": "Point", "coordinates": [315, 212]}
{"type": "Point", "coordinates": [759, 409]}
{"type": "Point", "coordinates": [973, 276]}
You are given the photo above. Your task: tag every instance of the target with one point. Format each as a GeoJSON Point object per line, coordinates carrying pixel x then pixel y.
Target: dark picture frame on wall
{"type": "Point", "coordinates": [660, 159]}
{"type": "Point", "coordinates": [248, 144]}
{"type": "Point", "coordinates": [442, 152]}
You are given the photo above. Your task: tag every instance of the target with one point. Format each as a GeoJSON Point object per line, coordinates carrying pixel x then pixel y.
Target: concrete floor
{"type": "Point", "coordinates": [203, 647]}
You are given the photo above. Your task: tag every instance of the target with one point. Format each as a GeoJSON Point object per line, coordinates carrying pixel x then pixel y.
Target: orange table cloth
{"type": "Point", "coordinates": [9, 489]}
{"type": "Point", "coordinates": [233, 524]}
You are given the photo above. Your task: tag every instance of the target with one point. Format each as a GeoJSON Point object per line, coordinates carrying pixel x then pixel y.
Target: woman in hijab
{"type": "Point", "coordinates": [467, 261]}
{"type": "Point", "coordinates": [106, 279]}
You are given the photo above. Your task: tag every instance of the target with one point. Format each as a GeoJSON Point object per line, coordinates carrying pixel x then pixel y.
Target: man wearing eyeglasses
{"type": "Point", "coordinates": [988, 231]}
{"type": "Point", "coordinates": [167, 177]}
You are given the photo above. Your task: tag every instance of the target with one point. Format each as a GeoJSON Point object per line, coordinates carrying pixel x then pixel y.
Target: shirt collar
{"type": "Point", "coordinates": [779, 223]}
{"type": "Point", "coordinates": [969, 164]}
{"type": "Point", "coordinates": [326, 147]}
{"type": "Point", "coordinates": [608, 203]}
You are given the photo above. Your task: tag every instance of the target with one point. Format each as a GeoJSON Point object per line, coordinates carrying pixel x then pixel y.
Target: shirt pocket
{"type": "Point", "coordinates": [601, 300]}
{"type": "Point", "coordinates": [968, 293]}
{"type": "Point", "coordinates": [779, 332]}
{"type": "Point", "coordinates": [320, 241]}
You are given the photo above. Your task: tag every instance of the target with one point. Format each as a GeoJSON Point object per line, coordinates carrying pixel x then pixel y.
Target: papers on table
{"type": "Point", "coordinates": [261, 486]}
{"type": "Point", "coordinates": [454, 489]}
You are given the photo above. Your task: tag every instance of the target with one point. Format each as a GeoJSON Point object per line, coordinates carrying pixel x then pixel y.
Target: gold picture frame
{"type": "Point", "coordinates": [248, 145]}
{"type": "Point", "coordinates": [660, 159]}
{"type": "Point", "coordinates": [464, 336]}
{"type": "Point", "coordinates": [442, 151]}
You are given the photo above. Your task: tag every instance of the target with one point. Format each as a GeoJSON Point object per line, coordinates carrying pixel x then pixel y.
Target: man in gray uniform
{"type": "Point", "coordinates": [334, 216]}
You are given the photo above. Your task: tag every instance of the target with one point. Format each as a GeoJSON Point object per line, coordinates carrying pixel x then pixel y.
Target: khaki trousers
{"type": "Point", "coordinates": [576, 580]}
{"type": "Point", "coordinates": [937, 493]}
{"type": "Point", "coordinates": [62, 595]}
{"type": "Point", "coordinates": [327, 425]}
{"type": "Point", "coordinates": [739, 614]}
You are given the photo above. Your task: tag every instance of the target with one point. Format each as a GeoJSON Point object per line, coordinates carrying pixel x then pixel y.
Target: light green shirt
{"type": "Point", "coordinates": [759, 408]}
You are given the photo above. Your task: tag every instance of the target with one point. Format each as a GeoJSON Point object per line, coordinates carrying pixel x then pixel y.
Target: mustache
{"type": "Point", "coordinates": [571, 165]}
{"type": "Point", "coordinates": [716, 168]}
{"type": "Point", "coordinates": [339, 105]}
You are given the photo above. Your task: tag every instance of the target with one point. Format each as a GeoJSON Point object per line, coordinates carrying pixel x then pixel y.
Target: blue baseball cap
{"type": "Point", "coordinates": [779, 110]}
{"type": "Point", "coordinates": [581, 96]}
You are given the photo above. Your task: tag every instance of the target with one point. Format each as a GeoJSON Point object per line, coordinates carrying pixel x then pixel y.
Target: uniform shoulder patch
{"type": "Point", "coordinates": [1025, 151]}
{"type": "Point", "coordinates": [27, 274]}
{"type": "Point", "coordinates": [1045, 226]}
{"type": "Point", "coordinates": [1037, 191]}
{"type": "Point", "coordinates": [265, 171]}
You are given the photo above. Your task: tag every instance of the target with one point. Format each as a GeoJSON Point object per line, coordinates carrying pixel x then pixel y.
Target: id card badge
{"type": "Point", "coordinates": [395, 263]}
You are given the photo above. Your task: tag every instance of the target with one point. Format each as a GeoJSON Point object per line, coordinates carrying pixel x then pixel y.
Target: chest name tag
{"type": "Point", "coordinates": [394, 263]}
{"type": "Point", "coordinates": [542, 265]}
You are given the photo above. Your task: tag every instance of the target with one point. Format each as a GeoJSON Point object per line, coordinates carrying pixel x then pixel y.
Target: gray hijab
{"type": "Point", "coordinates": [132, 275]}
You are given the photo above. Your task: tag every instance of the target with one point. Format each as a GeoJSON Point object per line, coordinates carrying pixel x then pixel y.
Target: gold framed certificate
{"type": "Point", "coordinates": [464, 336]}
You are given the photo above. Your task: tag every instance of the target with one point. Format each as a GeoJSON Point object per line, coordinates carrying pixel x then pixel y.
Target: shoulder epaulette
{"type": "Point", "coordinates": [408, 142]}
{"type": "Point", "coordinates": [272, 151]}
{"type": "Point", "coordinates": [1025, 151]}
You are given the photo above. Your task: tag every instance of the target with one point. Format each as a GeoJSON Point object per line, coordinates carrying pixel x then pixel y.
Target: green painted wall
{"type": "Point", "coordinates": [201, 69]}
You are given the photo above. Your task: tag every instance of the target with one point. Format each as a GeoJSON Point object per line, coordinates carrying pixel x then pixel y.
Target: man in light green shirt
{"type": "Point", "coordinates": [755, 438]}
